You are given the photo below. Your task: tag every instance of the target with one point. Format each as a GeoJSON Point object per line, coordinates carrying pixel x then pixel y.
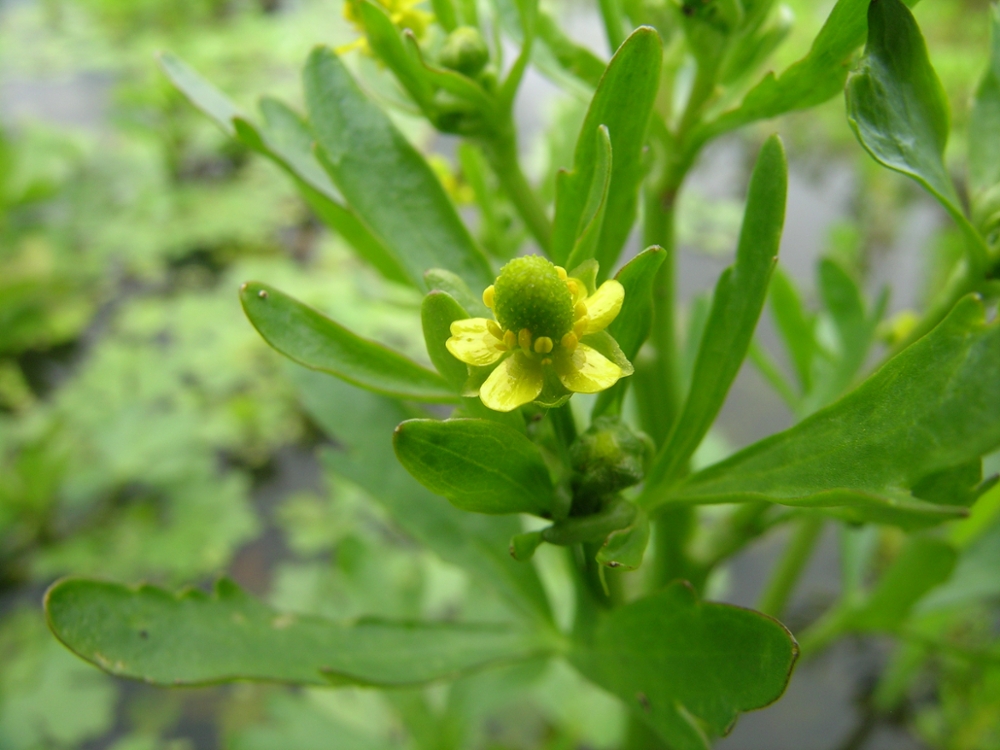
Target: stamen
{"type": "Point", "coordinates": [524, 339]}
{"type": "Point", "coordinates": [509, 339]}
{"type": "Point", "coordinates": [496, 330]}
{"type": "Point", "coordinates": [580, 310]}
{"type": "Point", "coordinates": [488, 294]}
{"type": "Point", "coordinates": [569, 341]}
{"type": "Point", "coordinates": [562, 272]}
{"type": "Point", "coordinates": [580, 327]}
{"type": "Point", "coordinates": [573, 285]}
{"type": "Point", "coordinates": [543, 345]}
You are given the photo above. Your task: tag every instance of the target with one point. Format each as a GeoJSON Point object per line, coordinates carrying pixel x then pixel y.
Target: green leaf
{"type": "Point", "coordinates": [899, 112]}
{"type": "Point", "coordinates": [631, 327]}
{"type": "Point", "coordinates": [311, 339]}
{"type": "Point", "coordinates": [387, 183]}
{"type": "Point", "coordinates": [625, 548]}
{"type": "Point", "coordinates": [623, 102]}
{"type": "Point", "coordinates": [288, 142]}
{"type": "Point", "coordinates": [194, 638]}
{"type": "Point", "coordinates": [934, 406]}
{"type": "Point", "coordinates": [795, 325]}
{"type": "Point", "coordinates": [736, 307]}
{"type": "Point", "coordinates": [201, 93]}
{"type": "Point", "coordinates": [855, 329]}
{"type": "Point", "coordinates": [678, 662]}
{"type": "Point", "coordinates": [812, 80]}
{"type": "Point", "coordinates": [571, 57]}
{"type": "Point", "coordinates": [594, 209]}
{"type": "Point", "coordinates": [362, 424]}
{"type": "Point", "coordinates": [387, 44]}
{"type": "Point", "coordinates": [437, 312]}
{"type": "Point", "coordinates": [923, 564]}
{"type": "Point", "coordinates": [446, 281]}
{"type": "Point", "coordinates": [984, 146]}
{"type": "Point", "coordinates": [444, 12]}
{"type": "Point", "coordinates": [479, 465]}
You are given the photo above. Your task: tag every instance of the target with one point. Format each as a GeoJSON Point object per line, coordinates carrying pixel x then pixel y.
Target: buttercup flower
{"type": "Point", "coordinates": [547, 339]}
{"type": "Point", "coordinates": [403, 13]}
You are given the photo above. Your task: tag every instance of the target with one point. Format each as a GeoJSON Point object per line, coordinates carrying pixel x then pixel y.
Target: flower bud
{"type": "Point", "coordinates": [607, 458]}
{"type": "Point", "coordinates": [465, 51]}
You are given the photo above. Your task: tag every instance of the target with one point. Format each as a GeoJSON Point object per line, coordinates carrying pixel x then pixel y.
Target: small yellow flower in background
{"type": "Point", "coordinates": [543, 336]}
{"type": "Point", "coordinates": [404, 13]}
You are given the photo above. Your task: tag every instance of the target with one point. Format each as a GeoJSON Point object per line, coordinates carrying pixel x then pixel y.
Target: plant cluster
{"type": "Point", "coordinates": [566, 402]}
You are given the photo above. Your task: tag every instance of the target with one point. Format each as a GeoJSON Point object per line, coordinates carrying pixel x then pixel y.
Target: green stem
{"type": "Point", "coordinates": [611, 13]}
{"type": "Point", "coordinates": [674, 527]}
{"type": "Point", "coordinates": [824, 631]}
{"type": "Point", "coordinates": [747, 522]}
{"type": "Point", "coordinates": [659, 230]}
{"type": "Point", "coordinates": [502, 154]}
{"type": "Point", "coordinates": [790, 567]}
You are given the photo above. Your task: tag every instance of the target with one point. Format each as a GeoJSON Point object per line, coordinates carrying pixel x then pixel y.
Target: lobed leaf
{"type": "Point", "coordinates": [933, 407]}
{"type": "Point", "coordinates": [736, 307]}
{"type": "Point", "coordinates": [623, 103]}
{"type": "Point", "coordinates": [384, 179]}
{"type": "Point", "coordinates": [193, 638]}
{"type": "Point", "coordinates": [479, 465]}
{"type": "Point", "coordinates": [362, 425]}
{"type": "Point", "coordinates": [678, 662]}
{"type": "Point", "coordinates": [313, 340]}
{"type": "Point", "coordinates": [898, 108]}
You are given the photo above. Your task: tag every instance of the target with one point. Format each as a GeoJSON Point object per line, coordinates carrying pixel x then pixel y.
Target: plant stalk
{"type": "Point", "coordinates": [502, 155]}
{"type": "Point", "coordinates": [791, 566]}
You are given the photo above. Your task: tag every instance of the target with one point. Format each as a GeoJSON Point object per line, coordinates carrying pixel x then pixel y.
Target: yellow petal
{"type": "Point", "coordinates": [471, 342]}
{"type": "Point", "coordinates": [586, 370]}
{"type": "Point", "coordinates": [517, 381]}
{"type": "Point", "coordinates": [604, 305]}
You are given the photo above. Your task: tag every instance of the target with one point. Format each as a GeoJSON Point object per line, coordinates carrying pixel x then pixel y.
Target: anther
{"type": "Point", "coordinates": [573, 285]}
{"type": "Point", "coordinates": [524, 339]}
{"type": "Point", "coordinates": [562, 272]}
{"type": "Point", "coordinates": [494, 328]}
{"type": "Point", "coordinates": [580, 327]}
{"type": "Point", "coordinates": [569, 341]}
{"type": "Point", "coordinates": [580, 310]}
{"type": "Point", "coordinates": [543, 345]}
{"type": "Point", "coordinates": [509, 339]}
{"type": "Point", "coordinates": [488, 295]}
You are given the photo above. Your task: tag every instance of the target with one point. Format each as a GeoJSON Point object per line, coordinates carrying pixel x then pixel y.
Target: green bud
{"type": "Point", "coordinates": [465, 51]}
{"type": "Point", "coordinates": [530, 294]}
{"type": "Point", "coordinates": [607, 458]}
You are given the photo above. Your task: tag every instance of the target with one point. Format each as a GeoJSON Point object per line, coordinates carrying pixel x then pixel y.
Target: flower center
{"type": "Point", "coordinates": [530, 295]}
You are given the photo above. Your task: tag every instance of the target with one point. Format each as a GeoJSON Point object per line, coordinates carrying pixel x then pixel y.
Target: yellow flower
{"type": "Point", "coordinates": [543, 341]}
{"type": "Point", "coordinates": [403, 13]}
